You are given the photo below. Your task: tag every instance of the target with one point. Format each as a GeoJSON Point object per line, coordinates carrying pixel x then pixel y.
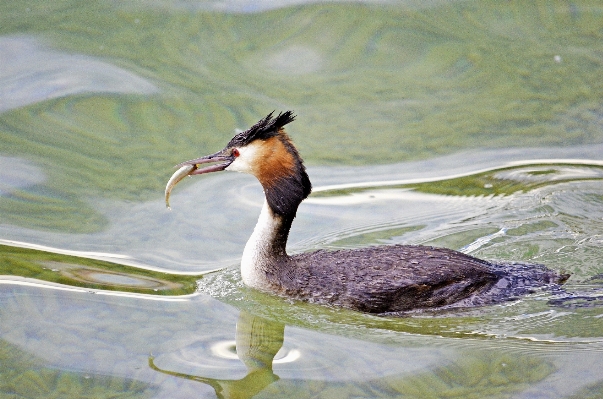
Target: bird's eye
{"type": "Point", "coordinates": [235, 152]}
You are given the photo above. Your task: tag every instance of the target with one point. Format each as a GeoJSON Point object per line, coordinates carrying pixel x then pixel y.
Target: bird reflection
{"type": "Point", "coordinates": [257, 342]}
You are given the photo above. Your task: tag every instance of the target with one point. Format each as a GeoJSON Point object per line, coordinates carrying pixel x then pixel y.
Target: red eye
{"type": "Point", "coordinates": [235, 152]}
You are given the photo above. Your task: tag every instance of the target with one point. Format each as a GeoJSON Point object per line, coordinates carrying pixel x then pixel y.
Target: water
{"type": "Point", "coordinates": [472, 126]}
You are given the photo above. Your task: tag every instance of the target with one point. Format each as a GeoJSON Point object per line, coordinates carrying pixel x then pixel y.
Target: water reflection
{"type": "Point", "coordinates": [257, 343]}
{"type": "Point", "coordinates": [345, 354]}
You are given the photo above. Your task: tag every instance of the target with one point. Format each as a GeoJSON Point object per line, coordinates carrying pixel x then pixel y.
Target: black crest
{"type": "Point", "coordinates": [263, 130]}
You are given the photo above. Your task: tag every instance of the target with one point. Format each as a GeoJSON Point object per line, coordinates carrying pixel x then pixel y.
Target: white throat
{"type": "Point", "coordinates": [257, 255]}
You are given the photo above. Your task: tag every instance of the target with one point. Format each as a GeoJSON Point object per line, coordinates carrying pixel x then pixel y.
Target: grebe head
{"type": "Point", "coordinates": [265, 151]}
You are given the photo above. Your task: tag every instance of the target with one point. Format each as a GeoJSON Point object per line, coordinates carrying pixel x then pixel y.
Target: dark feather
{"type": "Point", "coordinates": [401, 278]}
{"type": "Point", "coordinates": [262, 130]}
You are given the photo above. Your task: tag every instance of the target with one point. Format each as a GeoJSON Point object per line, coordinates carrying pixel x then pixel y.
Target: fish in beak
{"type": "Point", "coordinates": [220, 160]}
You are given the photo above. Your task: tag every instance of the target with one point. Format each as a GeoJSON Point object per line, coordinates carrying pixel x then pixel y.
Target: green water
{"type": "Point", "coordinates": [372, 84]}
{"type": "Point", "coordinates": [91, 273]}
{"type": "Point", "coordinates": [476, 126]}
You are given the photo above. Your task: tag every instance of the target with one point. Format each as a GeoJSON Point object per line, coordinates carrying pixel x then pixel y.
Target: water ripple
{"type": "Point", "coordinates": [31, 73]}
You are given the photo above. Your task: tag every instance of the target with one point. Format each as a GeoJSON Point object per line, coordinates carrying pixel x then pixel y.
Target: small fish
{"type": "Point", "coordinates": [175, 179]}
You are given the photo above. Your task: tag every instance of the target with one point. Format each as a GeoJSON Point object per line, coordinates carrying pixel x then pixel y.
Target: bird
{"type": "Point", "coordinates": [383, 280]}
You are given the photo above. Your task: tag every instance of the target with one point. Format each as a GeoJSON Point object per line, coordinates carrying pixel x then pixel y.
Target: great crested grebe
{"type": "Point", "coordinates": [382, 279]}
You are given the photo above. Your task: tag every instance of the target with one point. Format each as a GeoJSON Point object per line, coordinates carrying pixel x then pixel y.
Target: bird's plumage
{"type": "Point", "coordinates": [383, 279]}
{"type": "Point", "coordinates": [264, 129]}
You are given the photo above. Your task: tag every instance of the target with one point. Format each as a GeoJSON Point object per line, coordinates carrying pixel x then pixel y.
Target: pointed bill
{"type": "Point", "coordinates": [191, 167]}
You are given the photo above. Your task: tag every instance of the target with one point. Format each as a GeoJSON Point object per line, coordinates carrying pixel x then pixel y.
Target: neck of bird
{"type": "Point", "coordinates": [283, 177]}
{"type": "Point", "coordinates": [266, 248]}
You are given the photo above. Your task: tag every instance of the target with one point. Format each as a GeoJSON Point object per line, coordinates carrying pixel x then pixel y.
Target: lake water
{"type": "Point", "coordinates": [470, 125]}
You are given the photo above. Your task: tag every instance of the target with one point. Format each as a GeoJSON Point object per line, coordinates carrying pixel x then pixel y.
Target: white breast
{"type": "Point", "coordinates": [257, 250]}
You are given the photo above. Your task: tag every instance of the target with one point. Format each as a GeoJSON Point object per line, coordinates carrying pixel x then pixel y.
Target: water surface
{"type": "Point", "coordinates": [470, 125]}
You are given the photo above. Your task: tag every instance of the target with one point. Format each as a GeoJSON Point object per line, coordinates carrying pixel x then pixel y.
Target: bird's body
{"type": "Point", "coordinates": [383, 279]}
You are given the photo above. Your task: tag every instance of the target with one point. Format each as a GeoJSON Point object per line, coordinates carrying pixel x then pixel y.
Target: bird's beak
{"type": "Point", "coordinates": [220, 159]}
